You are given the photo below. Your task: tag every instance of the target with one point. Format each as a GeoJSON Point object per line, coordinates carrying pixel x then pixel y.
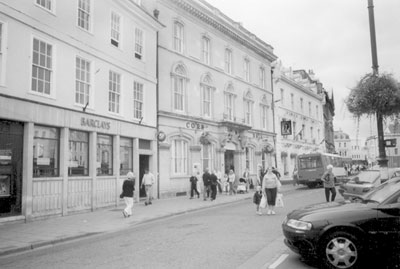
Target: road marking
{"type": "Point", "coordinates": [278, 261]}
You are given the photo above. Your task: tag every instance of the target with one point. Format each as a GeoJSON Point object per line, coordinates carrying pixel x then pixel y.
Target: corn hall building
{"type": "Point", "coordinates": [215, 94]}
{"type": "Point", "coordinates": [77, 104]}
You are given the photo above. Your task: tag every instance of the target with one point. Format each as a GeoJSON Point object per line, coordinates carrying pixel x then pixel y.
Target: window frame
{"type": "Point", "coordinates": [115, 29]}
{"type": "Point", "coordinates": [262, 77]}
{"type": "Point", "coordinates": [264, 116]}
{"type": "Point", "coordinates": [88, 73]}
{"type": "Point", "coordinates": [228, 61]}
{"type": "Point", "coordinates": [180, 160]}
{"type": "Point", "coordinates": [45, 68]}
{"type": "Point", "coordinates": [122, 170]}
{"type": "Point", "coordinates": [116, 93]}
{"type": "Point", "coordinates": [56, 162]}
{"type": "Point", "coordinates": [99, 170]}
{"type": "Point", "coordinates": [178, 36]}
{"type": "Point", "coordinates": [139, 44]}
{"type": "Point", "coordinates": [210, 158]}
{"type": "Point", "coordinates": [138, 92]}
{"type": "Point", "coordinates": [50, 9]}
{"type": "Point", "coordinates": [85, 12]}
{"type": "Point", "coordinates": [206, 50]}
{"type": "Point", "coordinates": [70, 143]}
{"type": "Point", "coordinates": [246, 69]}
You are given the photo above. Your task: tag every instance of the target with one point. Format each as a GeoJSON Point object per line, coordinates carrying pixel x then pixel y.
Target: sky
{"type": "Point", "coordinates": [330, 37]}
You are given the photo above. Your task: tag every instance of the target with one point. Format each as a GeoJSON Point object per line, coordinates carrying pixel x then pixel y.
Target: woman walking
{"type": "Point", "coordinates": [127, 193]}
{"type": "Point", "coordinates": [270, 185]}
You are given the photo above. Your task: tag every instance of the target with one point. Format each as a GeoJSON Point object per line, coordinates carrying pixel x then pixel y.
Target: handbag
{"type": "Point", "coordinates": [279, 200]}
{"type": "Point", "coordinates": [121, 195]}
{"type": "Point", "coordinates": [263, 203]}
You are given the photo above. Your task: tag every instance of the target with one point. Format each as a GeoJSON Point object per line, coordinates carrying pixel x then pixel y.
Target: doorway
{"type": "Point", "coordinates": [143, 164]}
{"type": "Point", "coordinates": [229, 160]}
{"type": "Point", "coordinates": [11, 147]}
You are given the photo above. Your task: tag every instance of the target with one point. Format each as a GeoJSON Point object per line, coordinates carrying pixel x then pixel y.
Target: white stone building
{"type": "Point", "coordinates": [298, 103]}
{"type": "Point", "coordinates": [77, 103]}
{"type": "Point", "coordinates": [215, 96]}
{"type": "Point", "coordinates": [343, 144]}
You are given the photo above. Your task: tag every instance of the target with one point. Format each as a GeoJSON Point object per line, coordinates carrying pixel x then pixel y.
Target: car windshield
{"type": "Point", "coordinates": [382, 192]}
{"type": "Point", "coordinates": [366, 177]}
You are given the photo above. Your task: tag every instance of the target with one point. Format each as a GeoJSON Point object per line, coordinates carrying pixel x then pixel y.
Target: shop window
{"type": "Point", "coordinates": [46, 145]}
{"type": "Point", "coordinates": [125, 156]}
{"type": "Point", "coordinates": [78, 164]}
{"type": "Point", "coordinates": [104, 160]}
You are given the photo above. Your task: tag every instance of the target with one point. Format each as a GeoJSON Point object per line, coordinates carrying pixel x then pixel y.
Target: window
{"type": "Point", "coordinates": [104, 158]}
{"type": "Point", "coordinates": [248, 110]}
{"type": "Point", "coordinates": [208, 156]}
{"type": "Point", "coordinates": [311, 132]}
{"type": "Point", "coordinates": [137, 100]}
{"type": "Point", "coordinates": [344, 144]}
{"type": "Point", "coordinates": [295, 134]}
{"type": "Point", "coordinates": [282, 97]}
{"type": "Point", "coordinates": [114, 89]}
{"type": "Point", "coordinates": [317, 112]}
{"type": "Point", "coordinates": [292, 100]}
{"type": "Point", "coordinates": [42, 67]}
{"type": "Point", "coordinates": [47, 4]}
{"type": "Point", "coordinates": [264, 117]}
{"type": "Point", "coordinates": [301, 105]}
{"type": "Point", "coordinates": [178, 37]}
{"type": "Point", "coordinates": [247, 70]}
{"type": "Point", "coordinates": [138, 43]}
{"type": "Point", "coordinates": [180, 156]}
{"type": "Point", "coordinates": [207, 92]}
{"type": "Point", "coordinates": [125, 156]}
{"type": "Point", "coordinates": [78, 163]}
{"type": "Point", "coordinates": [206, 50]}
{"type": "Point", "coordinates": [310, 162]}
{"type": "Point", "coordinates": [229, 106]}
{"type": "Point", "coordinates": [262, 77]}
{"type": "Point", "coordinates": [115, 29]}
{"type": "Point", "coordinates": [340, 144]}
{"type": "Point", "coordinates": [319, 135]}
{"type": "Point", "coordinates": [228, 61]}
{"type": "Point", "coordinates": [82, 83]}
{"type": "Point", "coordinates": [178, 88]}
{"type": "Point", "coordinates": [84, 14]}
{"type": "Point", "coordinates": [309, 109]}
{"type": "Point", "coordinates": [46, 144]}
{"type": "Point", "coordinates": [396, 151]}
{"type": "Point", "coordinates": [2, 30]}
{"type": "Point", "coordinates": [250, 158]}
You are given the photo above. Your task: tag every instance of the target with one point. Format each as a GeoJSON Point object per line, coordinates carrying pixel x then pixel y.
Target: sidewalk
{"type": "Point", "coordinates": [18, 237]}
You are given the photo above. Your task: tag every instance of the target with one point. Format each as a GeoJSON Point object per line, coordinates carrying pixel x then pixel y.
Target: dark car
{"type": "Point", "coordinates": [343, 234]}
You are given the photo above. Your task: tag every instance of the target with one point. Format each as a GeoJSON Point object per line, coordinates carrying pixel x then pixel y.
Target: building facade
{"type": "Point", "coordinates": [298, 116]}
{"type": "Point", "coordinates": [77, 104]}
{"type": "Point", "coordinates": [215, 96]}
{"type": "Point", "coordinates": [343, 144]}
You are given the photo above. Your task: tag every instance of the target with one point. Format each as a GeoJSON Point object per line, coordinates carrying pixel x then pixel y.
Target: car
{"type": "Point", "coordinates": [347, 234]}
{"type": "Point", "coordinates": [364, 182]}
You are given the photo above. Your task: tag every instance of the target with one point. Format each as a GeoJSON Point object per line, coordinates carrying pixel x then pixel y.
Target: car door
{"type": "Point", "coordinates": [388, 222]}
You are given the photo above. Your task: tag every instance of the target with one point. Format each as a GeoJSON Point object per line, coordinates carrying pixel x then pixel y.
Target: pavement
{"type": "Point", "coordinates": [20, 237]}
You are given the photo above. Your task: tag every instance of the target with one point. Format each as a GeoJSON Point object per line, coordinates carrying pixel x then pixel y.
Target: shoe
{"type": "Point", "coordinates": [123, 213]}
{"type": "Point", "coordinates": [205, 199]}
{"type": "Point", "coordinates": [150, 203]}
{"type": "Point", "coordinates": [259, 213]}
{"type": "Point", "coordinates": [273, 212]}
{"type": "Point", "coordinates": [269, 212]}
{"type": "Point", "coordinates": [191, 198]}
{"type": "Point", "coordinates": [145, 203]}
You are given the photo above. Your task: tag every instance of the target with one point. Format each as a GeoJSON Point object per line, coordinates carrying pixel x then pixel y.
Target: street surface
{"type": "Point", "coordinates": [229, 236]}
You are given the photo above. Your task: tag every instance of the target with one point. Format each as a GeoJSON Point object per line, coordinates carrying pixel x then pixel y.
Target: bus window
{"type": "Point", "coordinates": [310, 162]}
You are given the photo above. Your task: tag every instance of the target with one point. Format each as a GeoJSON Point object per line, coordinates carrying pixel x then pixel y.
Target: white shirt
{"type": "Point", "coordinates": [148, 179]}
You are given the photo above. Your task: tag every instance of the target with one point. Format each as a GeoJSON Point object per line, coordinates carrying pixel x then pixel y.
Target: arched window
{"type": "Point", "coordinates": [229, 103]}
{"type": "Point", "coordinates": [179, 79]}
{"type": "Point", "coordinates": [207, 95]}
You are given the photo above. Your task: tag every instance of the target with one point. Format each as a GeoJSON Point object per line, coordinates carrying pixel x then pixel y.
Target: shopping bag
{"type": "Point", "coordinates": [263, 203]}
{"type": "Point", "coordinates": [279, 200]}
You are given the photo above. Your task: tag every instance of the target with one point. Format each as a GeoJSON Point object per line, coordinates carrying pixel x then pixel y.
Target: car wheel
{"type": "Point", "coordinates": [341, 250]}
{"type": "Point", "coordinates": [312, 185]}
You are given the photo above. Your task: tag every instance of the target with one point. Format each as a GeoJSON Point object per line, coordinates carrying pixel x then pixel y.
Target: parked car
{"type": "Point", "coordinates": [344, 234]}
{"type": "Point", "coordinates": [364, 182]}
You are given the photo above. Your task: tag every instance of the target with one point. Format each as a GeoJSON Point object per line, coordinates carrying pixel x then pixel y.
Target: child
{"type": "Point", "coordinates": [257, 199]}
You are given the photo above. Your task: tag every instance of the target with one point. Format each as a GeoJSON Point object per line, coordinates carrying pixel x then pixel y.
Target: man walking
{"type": "Point", "coordinates": [206, 183]}
{"type": "Point", "coordinates": [148, 181]}
{"type": "Point", "coordinates": [193, 186]}
{"type": "Point", "coordinates": [214, 183]}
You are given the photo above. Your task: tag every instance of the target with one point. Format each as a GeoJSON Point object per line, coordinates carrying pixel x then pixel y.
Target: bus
{"type": "Point", "coordinates": [312, 166]}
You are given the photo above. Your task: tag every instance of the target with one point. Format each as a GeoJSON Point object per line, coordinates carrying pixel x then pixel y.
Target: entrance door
{"type": "Point", "coordinates": [143, 164]}
{"type": "Point", "coordinates": [11, 145]}
{"type": "Point", "coordinates": [229, 161]}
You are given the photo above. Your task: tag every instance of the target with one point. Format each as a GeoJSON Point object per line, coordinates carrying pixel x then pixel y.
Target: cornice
{"type": "Point", "coordinates": [301, 87]}
{"type": "Point", "coordinates": [239, 34]}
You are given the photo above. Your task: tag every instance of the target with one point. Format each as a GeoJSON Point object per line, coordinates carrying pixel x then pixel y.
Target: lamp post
{"type": "Point", "coordinates": [382, 161]}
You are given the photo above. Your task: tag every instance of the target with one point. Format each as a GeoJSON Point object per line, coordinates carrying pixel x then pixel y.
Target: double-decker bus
{"type": "Point", "coordinates": [312, 166]}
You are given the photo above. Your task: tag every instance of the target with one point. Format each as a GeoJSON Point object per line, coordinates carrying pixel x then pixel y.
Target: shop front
{"type": "Point", "coordinates": [56, 161]}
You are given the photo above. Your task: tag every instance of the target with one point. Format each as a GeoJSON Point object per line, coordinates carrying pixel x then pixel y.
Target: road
{"type": "Point", "coordinates": [229, 236]}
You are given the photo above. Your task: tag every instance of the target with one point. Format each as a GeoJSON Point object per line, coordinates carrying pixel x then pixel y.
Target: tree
{"type": "Point", "coordinates": [376, 95]}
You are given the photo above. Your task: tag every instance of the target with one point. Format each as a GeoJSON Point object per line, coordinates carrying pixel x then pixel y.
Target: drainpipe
{"type": "Point", "coordinates": [156, 12]}
{"type": "Point", "coordinates": [273, 111]}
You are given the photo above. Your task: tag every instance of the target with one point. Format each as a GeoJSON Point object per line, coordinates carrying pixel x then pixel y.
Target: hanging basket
{"type": "Point", "coordinates": [205, 139]}
{"type": "Point", "coordinates": [268, 148]}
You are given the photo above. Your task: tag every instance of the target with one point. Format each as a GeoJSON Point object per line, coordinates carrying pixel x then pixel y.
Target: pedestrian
{"type": "Point", "coordinates": [328, 178]}
{"type": "Point", "coordinates": [206, 183]}
{"type": "Point", "coordinates": [193, 186]}
{"type": "Point", "coordinates": [295, 176]}
{"type": "Point", "coordinates": [147, 182]}
{"type": "Point", "coordinates": [246, 176]}
{"type": "Point", "coordinates": [231, 181]}
{"type": "Point", "coordinates": [257, 199]}
{"type": "Point", "coordinates": [213, 185]}
{"type": "Point", "coordinates": [270, 187]}
{"type": "Point", "coordinates": [219, 177]}
{"type": "Point", "coordinates": [127, 193]}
